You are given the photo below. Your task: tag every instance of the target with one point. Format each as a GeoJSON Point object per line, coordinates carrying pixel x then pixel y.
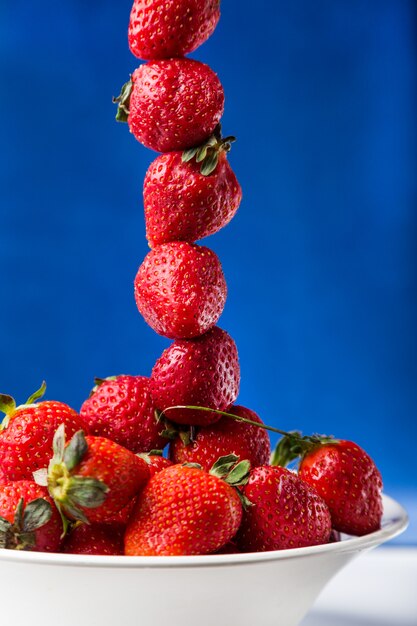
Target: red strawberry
{"type": "Point", "coordinates": [92, 478]}
{"type": "Point", "coordinates": [348, 480]}
{"type": "Point", "coordinates": [160, 29]}
{"type": "Point", "coordinates": [28, 518]}
{"type": "Point", "coordinates": [225, 437]}
{"type": "Point", "coordinates": [285, 512]}
{"type": "Point", "coordinates": [172, 104]}
{"type": "Point", "coordinates": [27, 433]}
{"type": "Point", "coordinates": [120, 408]}
{"type": "Point", "coordinates": [180, 289]}
{"type": "Point", "coordinates": [200, 372]}
{"type": "Point", "coordinates": [122, 517]}
{"type": "Point", "coordinates": [183, 204]}
{"type": "Point", "coordinates": [184, 510]}
{"type": "Point", "coordinates": [95, 539]}
{"type": "Point", "coordinates": [156, 462]}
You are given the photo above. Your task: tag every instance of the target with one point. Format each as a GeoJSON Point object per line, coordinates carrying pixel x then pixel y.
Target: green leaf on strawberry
{"type": "Point", "coordinates": [293, 445]}
{"type": "Point", "coordinates": [208, 153]}
{"type": "Point", "coordinates": [239, 474]}
{"type": "Point", "coordinates": [223, 465]}
{"type": "Point", "coordinates": [19, 534]}
{"type": "Point", "coordinates": [72, 492]}
{"type": "Point", "coordinates": [37, 395]}
{"type": "Point", "coordinates": [123, 101]}
{"type": "Point", "coordinates": [8, 404]}
{"type": "Point", "coordinates": [234, 473]}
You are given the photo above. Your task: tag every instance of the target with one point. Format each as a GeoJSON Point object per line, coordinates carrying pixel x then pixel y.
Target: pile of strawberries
{"type": "Point", "coordinates": [96, 482]}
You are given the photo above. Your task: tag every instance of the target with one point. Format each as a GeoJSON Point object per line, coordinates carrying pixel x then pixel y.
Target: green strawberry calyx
{"type": "Point", "coordinates": [8, 404]}
{"type": "Point", "coordinates": [172, 431]}
{"type": "Point", "coordinates": [20, 534]}
{"type": "Point", "coordinates": [70, 492]}
{"type": "Point", "coordinates": [209, 152]}
{"type": "Point", "coordinates": [100, 381]}
{"type": "Point", "coordinates": [231, 470]}
{"type": "Point", "coordinates": [123, 101]}
{"type": "Point", "coordinates": [294, 446]}
{"type": "Point", "coordinates": [234, 472]}
{"type": "Point", "coordinates": [146, 456]}
{"type": "Point", "coordinates": [291, 446]}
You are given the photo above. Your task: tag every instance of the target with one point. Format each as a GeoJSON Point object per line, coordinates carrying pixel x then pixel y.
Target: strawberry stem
{"type": "Point", "coordinates": [237, 418]}
{"type": "Point", "coordinates": [291, 446]}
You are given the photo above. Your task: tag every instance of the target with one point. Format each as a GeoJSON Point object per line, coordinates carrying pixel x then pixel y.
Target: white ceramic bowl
{"type": "Point", "coordinates": [256, 589]}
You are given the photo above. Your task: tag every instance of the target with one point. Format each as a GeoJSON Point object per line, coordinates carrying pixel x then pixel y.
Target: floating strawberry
{"type": "Point", "coordinates": [224, 437]}
{"type": "Point", "coordinates": [27, 433]}
{"type": "Point", "coordinates": [203, 372]}
{"type": "Point", "coordinates": [348, 480]}
{"type": "Point", "coordinates": [92, 478]}
{"type": "Point", "coordinates": [105, 539]}
{"type": "Point", "coordinates": [187, 199]}
{"type": "Point", "coordinates": [120, 408]}
{"type": "Point", "coordinates": [160, 29]}
{"type": "Point", "coordinates": [185, 510]}
{"type": "Point", "coordinates": [180, 289]}
{"type": "Point", "coordinates": [28, 518]}
{"type": "Point", "coordinates": [156, 462]}
{"type": "Point", "coordinates": [285, 512]}
{"type": "Point", "coordinates": [171, 104]}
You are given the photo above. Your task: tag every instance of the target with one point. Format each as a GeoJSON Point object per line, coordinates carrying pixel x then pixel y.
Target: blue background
{"type": "Point", "coordinates": [320, 260]}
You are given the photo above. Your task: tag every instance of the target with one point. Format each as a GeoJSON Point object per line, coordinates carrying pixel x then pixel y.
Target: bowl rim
{"type": "Point", "coordinates": [395, 521]}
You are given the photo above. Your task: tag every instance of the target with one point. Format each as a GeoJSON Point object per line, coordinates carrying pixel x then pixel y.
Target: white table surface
{"type": "Point", "coordinates": [379, 588]}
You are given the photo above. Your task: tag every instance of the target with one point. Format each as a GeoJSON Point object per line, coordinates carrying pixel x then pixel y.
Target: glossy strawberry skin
{"type": "Point", "coordinates": [225, 437]}
{"type": "Point", "coordinates": [154, 31]}
{"type": "Point", "coordinates": [48, 536]}
{"type": "Point", "coordinates": [180, 290]}
{"type": "Point", "coordinates": [286, 512]}
{"type": "Point", "coordinates": [123, 472]}
{"type": "Point", "coordinates": [183, 205]}
{"type": "Point", "coordinates": [198, 372]}
{"type": "Point", "coordinates": [157, 463]}
{"type": "Point", "coordinates": [122, 516]}
{"type": "Point", "coordinates": [122, 410]}
{"type": "Point", "coordinates": [347, 479]}
{"type": "Point", "coordinates": [104, 539]}
{"type": "Point", "coordinates": [174, 104]}
{"type": "Point", "coordinates": [26, 442]}
{"type": "Point", "coordinates": [183, 511]}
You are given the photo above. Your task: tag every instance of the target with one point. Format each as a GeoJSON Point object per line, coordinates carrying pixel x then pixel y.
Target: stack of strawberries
{"type": "Point", "coordinates": [96, 482]}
